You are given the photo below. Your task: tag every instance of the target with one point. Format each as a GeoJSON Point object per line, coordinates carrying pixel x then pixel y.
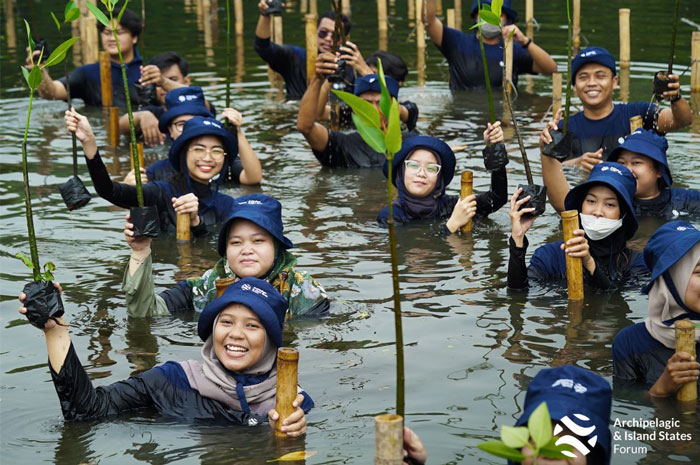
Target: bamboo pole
{"type": "Point", "coordinates": [114, 127]}
{"type": "Point", "coordinates": [438, 7]}
{"type": "Point", "coordinates": [508, 58]}
{"type": "Point", "coordinates": [287, 370]}
{"type": "Point", "coordinates": [222, 284]}
{"type": "Point", "coordinates": [624, 16]}
{"type": "Point", "coordinates": [411, 11]}
{"type": "Point", "coordinates": [238, 11]}
{"type": "Point", "coordinates": [635, 123]}
{"type": "Point", "coordinates": [420, 42]}
{"type": "Point", "coordinates": [277, 38]}
{"type": "Point", "coordinates": [347, 11]}
{"type": "Point", "coordinates": [685, 342]}
{"type": "Point", "coordinates": [313, 8]}
{"type": "Point", "coordinates": [695, 60]}
{"type": "Point", "coordinates": [451, 18]}
{"type": "Point", "coordinates": [574, 265]}
{"type": "Point", "coordinates": [10, 24]}
{"type": "Point", "coordinates": [240, 60]}
{"type": "Point", "coordinates": [466, 189]}
{"type": "Point", "coordinates": [383, 27]}
{"type": "Point", "coordinates": [556, 92]}
{"type": "Point", "coordinates": [139, 153]}
{"type": "Point", "coordinates": [458, 15]}
{"type": "Point", "coordinates": [388, 439]}
{"type": "Point", "coordinates": [529, 16]}
{"type": "Point", "coordinates": [106, 79]}
{"type": "Point", "coordinates": [311, 46]}
{"type": "Point", "coordinates": [91, 52]}
{"type": "Point", "coordinates": [624, 85]}
{"type": "Point", "coordinates": [183, 227]}
{"type": "Point", "coordinates": [304, 7]}
{"type": "Point", "coordinates": [77, 47]}
{"type": "Point", "coordinates": [577, 25]}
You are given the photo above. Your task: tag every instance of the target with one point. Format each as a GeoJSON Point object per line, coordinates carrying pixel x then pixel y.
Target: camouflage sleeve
{"type": "Point", "coordinates": [306, 295]}
{"type": "Point", "coordinates": [141, 299]}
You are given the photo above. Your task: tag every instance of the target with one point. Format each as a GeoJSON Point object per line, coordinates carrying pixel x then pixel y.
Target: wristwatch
{"type": "Point", "coordinates": [527, 44]}
{"type": "Point", "coordinates": [677, 97]}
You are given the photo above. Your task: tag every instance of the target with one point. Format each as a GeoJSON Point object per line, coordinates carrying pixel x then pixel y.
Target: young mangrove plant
{"type": "Point", "coordinates": [537, 435]}
{"type": "Point", "coordinates": [491, 14]}
{"type": "Point", "coordinates": [480, 22]}
{"type": "Point", "coordinates": [144, 218]}
{"type": "Point", "coordinates": [381, 130]}
{"type": "Point", "coordinates": [228, 54]}
{"type": "Point", "coordinates": [73, 191]}
{"type": "Point", "coordinates": [43, 300]}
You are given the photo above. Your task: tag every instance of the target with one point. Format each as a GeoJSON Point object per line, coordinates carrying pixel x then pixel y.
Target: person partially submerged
{"type": "Point", "coordinates": [234, 381]}
{"type": "Point", "coordinates": [251, 243]}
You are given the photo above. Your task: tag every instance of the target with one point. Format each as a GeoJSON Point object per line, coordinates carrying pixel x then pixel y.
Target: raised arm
{"type": "Point", "coordinates": [433, 26]}
{"type": "Point", "coordinates": [678, 116]}
{"type": "Point", "coordinates": [252, 170]}
{"type": "Point", "coordinates": [542, 63]}
{"type": "Point", "coordinates": [315, 133]}
{"type": "Point", "coordinates": [48, 89]}
{"type": "Point", "coordinates": [262, 30]}
{"type": "Point", "coordinates": [552, 172]}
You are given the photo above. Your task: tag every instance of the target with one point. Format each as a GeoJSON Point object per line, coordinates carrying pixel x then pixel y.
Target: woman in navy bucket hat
{"type": "Point", "coordinates": [645, 352]}
{"type": "Point", "coordinates": [644, 153]}
{"type": "Point", "coordinates": [251, 243]}
{"type": "Point", "coordinates": [234, 381]}
{"type": "Point", "coordinates": [199, 155]}
{"type": "Point", "coordinates": [423, 169]}
{"type": "Point", "coordinates": [605, 206]}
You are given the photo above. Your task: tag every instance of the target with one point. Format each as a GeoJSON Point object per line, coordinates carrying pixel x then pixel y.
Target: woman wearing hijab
{"type": "Point", "coordinates": [604, 202]}
{"type": "Point", "coordinates": [204, 150]}
{"type": "Point", "coordinates": [423, 169]}
{"type": "Point", "coordinates": [235, 381]}
{"type": "Point", "coordinates": [645, 352]}
{"type": "Point", "coordinates": [251, 243]}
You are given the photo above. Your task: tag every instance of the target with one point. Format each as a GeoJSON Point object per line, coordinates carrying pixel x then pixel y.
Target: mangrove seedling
{"type": "Point", "coordinates": [43, 300]}
{"type": "Point", "coordinates": [144, 218]}
{"type": "Point", "coordinates": [73, 191]}
{"type": "Point", "coordinates": [563, 141]}
{"type": "Point", "coordinates": [491, 14]}
{"type": "Point", "coordinates": [538, 435]}
{"type": "Point", "coordinates": [480, 22]}
{"type": "Point", "coordinates": [381, 130]}
{"type": "Point", "coordinates": [228, 55]}
{"type": "Point", "coordinates": [661, 77]}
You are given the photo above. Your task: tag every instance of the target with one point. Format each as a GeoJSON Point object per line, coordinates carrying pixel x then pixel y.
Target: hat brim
{"type": "Point", "coordinates": [257, 218]}
{"type": "Point", "coordinates": [648, 150]}
{"type": "Point", "coordinates": [574, 201]}
{"type": "Point", "coordinates": [172, 113]}
{"type": "Point", "coordinates": [677, 249]}
{"type": "Point", "coordinates": [181, 143]}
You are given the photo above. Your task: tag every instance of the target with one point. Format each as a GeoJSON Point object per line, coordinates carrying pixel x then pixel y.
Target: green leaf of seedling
{"type": "Point", "coordinates": [363, 108]}
{"type": "Point", "coordinates": [385, 99]}
{"type": "Point", "coordinates": [25, 73]}
{"type": "Point", "coordinates": [34, 78]}
{"type": "Point", "coordinates": [48, 268]}
{"type": "Point", "coordinates": [499, 449]}
{"type": "Point", "coordinates": [553, 451]}
{"type": "Point", "coordinates": [121, 12]}
{"type": "Point", "coordinates": [59, 53]}
{"type": "Point", "coordinates": [30, 41]}
{"type": "Point", "coordinates": [480, 23]}
{"type": "Point", "coordinates": [489, 17]}
{"type": "Point", "coordinates": [27, 261]}
{"type": "Point", "coordinates": [496, 6]}
{"type": "Point", "coordinates": [98, 14]}
{"type": "Point", "coordinates": [393, 132]}
{"type": "Point", "coordinates": [55, 20]}
{"type": "Point", "coordinates": [515, 437]}
{"type": "Point", "coordinates": [69, 6]}
{"type": "Point", "coordinates": [371, 135]}
{"type": "Point", "coordinates": [540, 425]}
{"type": "Point", "coordinates": [72, 15]}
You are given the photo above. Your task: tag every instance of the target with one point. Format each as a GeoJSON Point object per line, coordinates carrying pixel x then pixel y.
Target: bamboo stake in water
{"type": "Point", "coordinates": [311, 46]}
{"type": "Point", "coordinates": [574, 265]}
{"type": "Point", "coordinates": [556, 92]}
{"type": "Point", "coordinates": [287, 372]}
{"type": "Point", "coordinates": [466, 189]}
{"type": "Point", "coordinates": [228, 53]}
{"type": "Point", "coordinates": [569, 78]}
{"type": "Point", "coordinates": [673, 36]}
{"type": "Point", "coordinates": [383, 27]}
{"type": "Point", "coordinates": [313, 8]}
{"type": "Point", "coordinates": [347, 11]}
{"type": "Point", "coordinates": [106, 79]}
{"type": "Point", "coordinates": [114, 128]}
{"type": "Point", "coordinates": [529, 16]}
{"type": "Point", "coordinates": [89, 39]}
{"type": "Point", "coordinates": [238, 9]}
{"type": "Point", "coordinates": [624, 19]}
{"type": "Point", "coordinates": [577, 25]}
{"type": "Point", "coordinates": [411, 10]}
{"type": "Point", "coordinates": [420, 42]}
{"type": "Point", "coordinates": [458, 15]}
{"type": "Point", "coordinates": [695, 60]}
{"type": "Point", "coordinates": [635, 123]}
{"type": "Point", "coordinates": [388, 439]}
{"type": "Point", "coordinates": [183, 227]}
{"type": "Point", "coordinates": [139, 154]}
{"type": "Point", "coordinates": [451, 18]}
{"type": "Point", "coordinates": [508, 57]}
{"type": "Point", "coordinates": [685, 342]}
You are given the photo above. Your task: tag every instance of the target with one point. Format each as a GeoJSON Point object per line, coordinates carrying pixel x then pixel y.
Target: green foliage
{"type": "Point", "coordinates": [370, 134]}
{"type": "Point", "coordinates": [98, 14]}
{"type": "Point", "coordinates": [360, 107]}
{"type": "Point", "coordinates": [34, 76]}
{"type": "Point", "coordinates": [49, 267]}
{"type": "Point", "coordinates": [55, 20]}
{"type": "Point", "coordinates": [59, 53]}
{"type": "Point", "coordinates": [71, 13]}
{"type": "Point", "coordinates": [537, 434]}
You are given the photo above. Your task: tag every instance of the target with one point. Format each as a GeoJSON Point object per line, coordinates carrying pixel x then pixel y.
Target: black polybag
{"type": "Point", "coordinates": [74, 193]}
{"type": "Point", "coordinates": [660, 84]}
{"type": "Point", "coordinates": [495, 156]}
{"type": "Point", "coordinates": [43, 302]}
{"type": "Point", "coordinates": [538, 198]}
{"type": "Point", "coordinates": [561, 145]}
{"type": "Point", "coordinates": [145, 221]}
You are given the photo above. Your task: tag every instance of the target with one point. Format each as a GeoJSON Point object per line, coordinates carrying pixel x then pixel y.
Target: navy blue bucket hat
{"type": "Point", "coordinates": [370, 83]}
{"type": "Point", "coordinates": [510, 13]}
{"type": "Point", "coordinates": [650, 144]}
{"type": "Point", "coordinates": [592, 55]}
{"type": "Point", "coordinates": [200, 126]}
{"type": "Point", "coordinates": [618, 178]}
{"type": "Point", "coordinates": [256, 294]}
{"type": "Point", "coordinates": [183, 101]}
{"type": "Point", "coordinates": [573, 396]}
{"type": "Point", "coordinates": [434, 145]}
{"type": "Point", "coordinates": [666, 246]}
{"type": "Point", "coordinates": [262, 210]}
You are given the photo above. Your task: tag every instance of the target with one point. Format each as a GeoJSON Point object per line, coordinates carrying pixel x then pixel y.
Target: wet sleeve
{"type": "Point", "coordinates": [334, 153]}
{"type": "Point", "coordinates": [178, 299]}
{"type": "Point", "coordinates": [141, 299]}
{"type": "Point", "coordinates": [279, 57]}
{"type": "Point", "coordinates": [450, 42]}
{"type": "Point", "coordinates": [81, 401]}
{"type": "Point", "coordinates": [412, 115]}
{"type": "Point", "coordinates": [399, 216]}
{"type": "Point", "coordinates": [599, 279]}
{"type": "Point", "coordinates": [625, 366]}
{"type": "Point", "coordinates": [517, 269]}
{"type": "Point", "coordinates": [236, 170]}
{"type": "Point", "coordinates": [497, 195]}
{"type": "Point", "coordinates": [306, 296]}
{"type": "Point", "coordinates": [78, 83]}
{"type": "Point", "coordinates": [523, 61]}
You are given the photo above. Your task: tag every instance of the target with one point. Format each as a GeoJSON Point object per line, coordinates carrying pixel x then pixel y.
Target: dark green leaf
{"type": "Point", "coordinates": [490, 18]}
{"type": "Point", "coordinates": [363, 108]}
{"type": "Point", "coordinates": [27, 261]}
{"type": "Point", "coordinates": [72, 15]}
{"type": "Point", "coordinates": [556, 452]}
{"type": "Point", "coordinates": [98, 14]}
{"type": "Point", "coordinates": [69, 6]}
{"type": "Point", "coordinates": [393, 132]}
{"type": "Point", "coordinates": [25, 73]}
{"type": "Point", "coordinates": [540, 425]}
{"type": "Point", "coordinates": [121, 12]}
{"type": "Point", "coordinates": [34, 78]}
{"type": "Point", "coordinates": [385, 99]}
{"type": "Point", "coordinates": [55, 20]}
{"type": "Point", "coordinates": [496, 6]}
{"type": "Point", "coordinates": [515, 437]}
{"type": "Point", "coordinates": [59, 52]}
{"type": "Point", "coordinates": [371, 135]}
{"type": "Point", "coordinates": [499, 449]}
{"type": "Point", "coordinates": [30, 41]}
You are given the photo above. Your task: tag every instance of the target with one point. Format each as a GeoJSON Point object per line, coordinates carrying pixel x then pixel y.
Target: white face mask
{"type": "Point", "coordinates": [599, 228]}
{"type": "Point", "coordinates": [489, 31]}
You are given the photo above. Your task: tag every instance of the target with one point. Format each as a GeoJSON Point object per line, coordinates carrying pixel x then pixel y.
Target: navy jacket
{"type": "Point", "coordinates": [638, 357]}
{"type": "Point", "coordinates": [671, 204]}
{"type": "Point", "coordinates": [214, 207]}
{"type": "Point", "coordinates": [164, 389]}
{"type": "Point", "coordinates": [548, 264]}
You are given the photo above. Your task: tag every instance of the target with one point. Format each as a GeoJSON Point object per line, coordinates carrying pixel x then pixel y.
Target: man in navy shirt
{"type": "Point", "coordinates": [463, 52]}
{"type": "Point", "coordinates": [603, 125]}
{"type": "Point", "coordinates": [85, 80]}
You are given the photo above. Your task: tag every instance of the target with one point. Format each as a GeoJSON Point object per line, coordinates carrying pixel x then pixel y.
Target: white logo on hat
{"type": "Point", "coordinates": [252, 421]}
{"type": "Point", "coordinates": [211, 123]}
{"type": "Point", "coordinates": [569, 383]}
{"type": "Point", "coordinates": [578, 431]}
{"type": "Point", "coordinates": [181, 98]}
{"type": "Point", "coordinates": [250, 202]}
{"type": "Point", "coordinates": [611, 168]}
{"type": "Point", "coordinates": [681, 228]}
{"type": "Point", "coordinates": [259, 291]}
{"type": "Point", "coordinates": [245, 287]}
{"type": "Point", "coordinates": [589, 53]}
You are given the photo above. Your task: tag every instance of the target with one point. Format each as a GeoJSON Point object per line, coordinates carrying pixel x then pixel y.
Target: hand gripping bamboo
{"type": "Point", "coordinates": [685, 342]}
{"type": "Point", "coordinates": [287, 371]}
{"type": "Point", "coordinates": [574, 265]}
{"type": "Point", "coordinates": [466, 189]}
{"type": "Point", "coordinates": [388, 439]}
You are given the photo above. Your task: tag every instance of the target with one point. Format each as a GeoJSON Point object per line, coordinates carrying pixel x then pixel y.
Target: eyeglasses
{"type": "Point", "coordinates": [179, 126]}
{"type": "Point", "coordinates": [217, 153]}
{"type": "Point", "coordinates": [323, 33]}
{"type": "Point", "coordinates": [120, 31]}
{"type": "Point", "coordinates": [431, 169]}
